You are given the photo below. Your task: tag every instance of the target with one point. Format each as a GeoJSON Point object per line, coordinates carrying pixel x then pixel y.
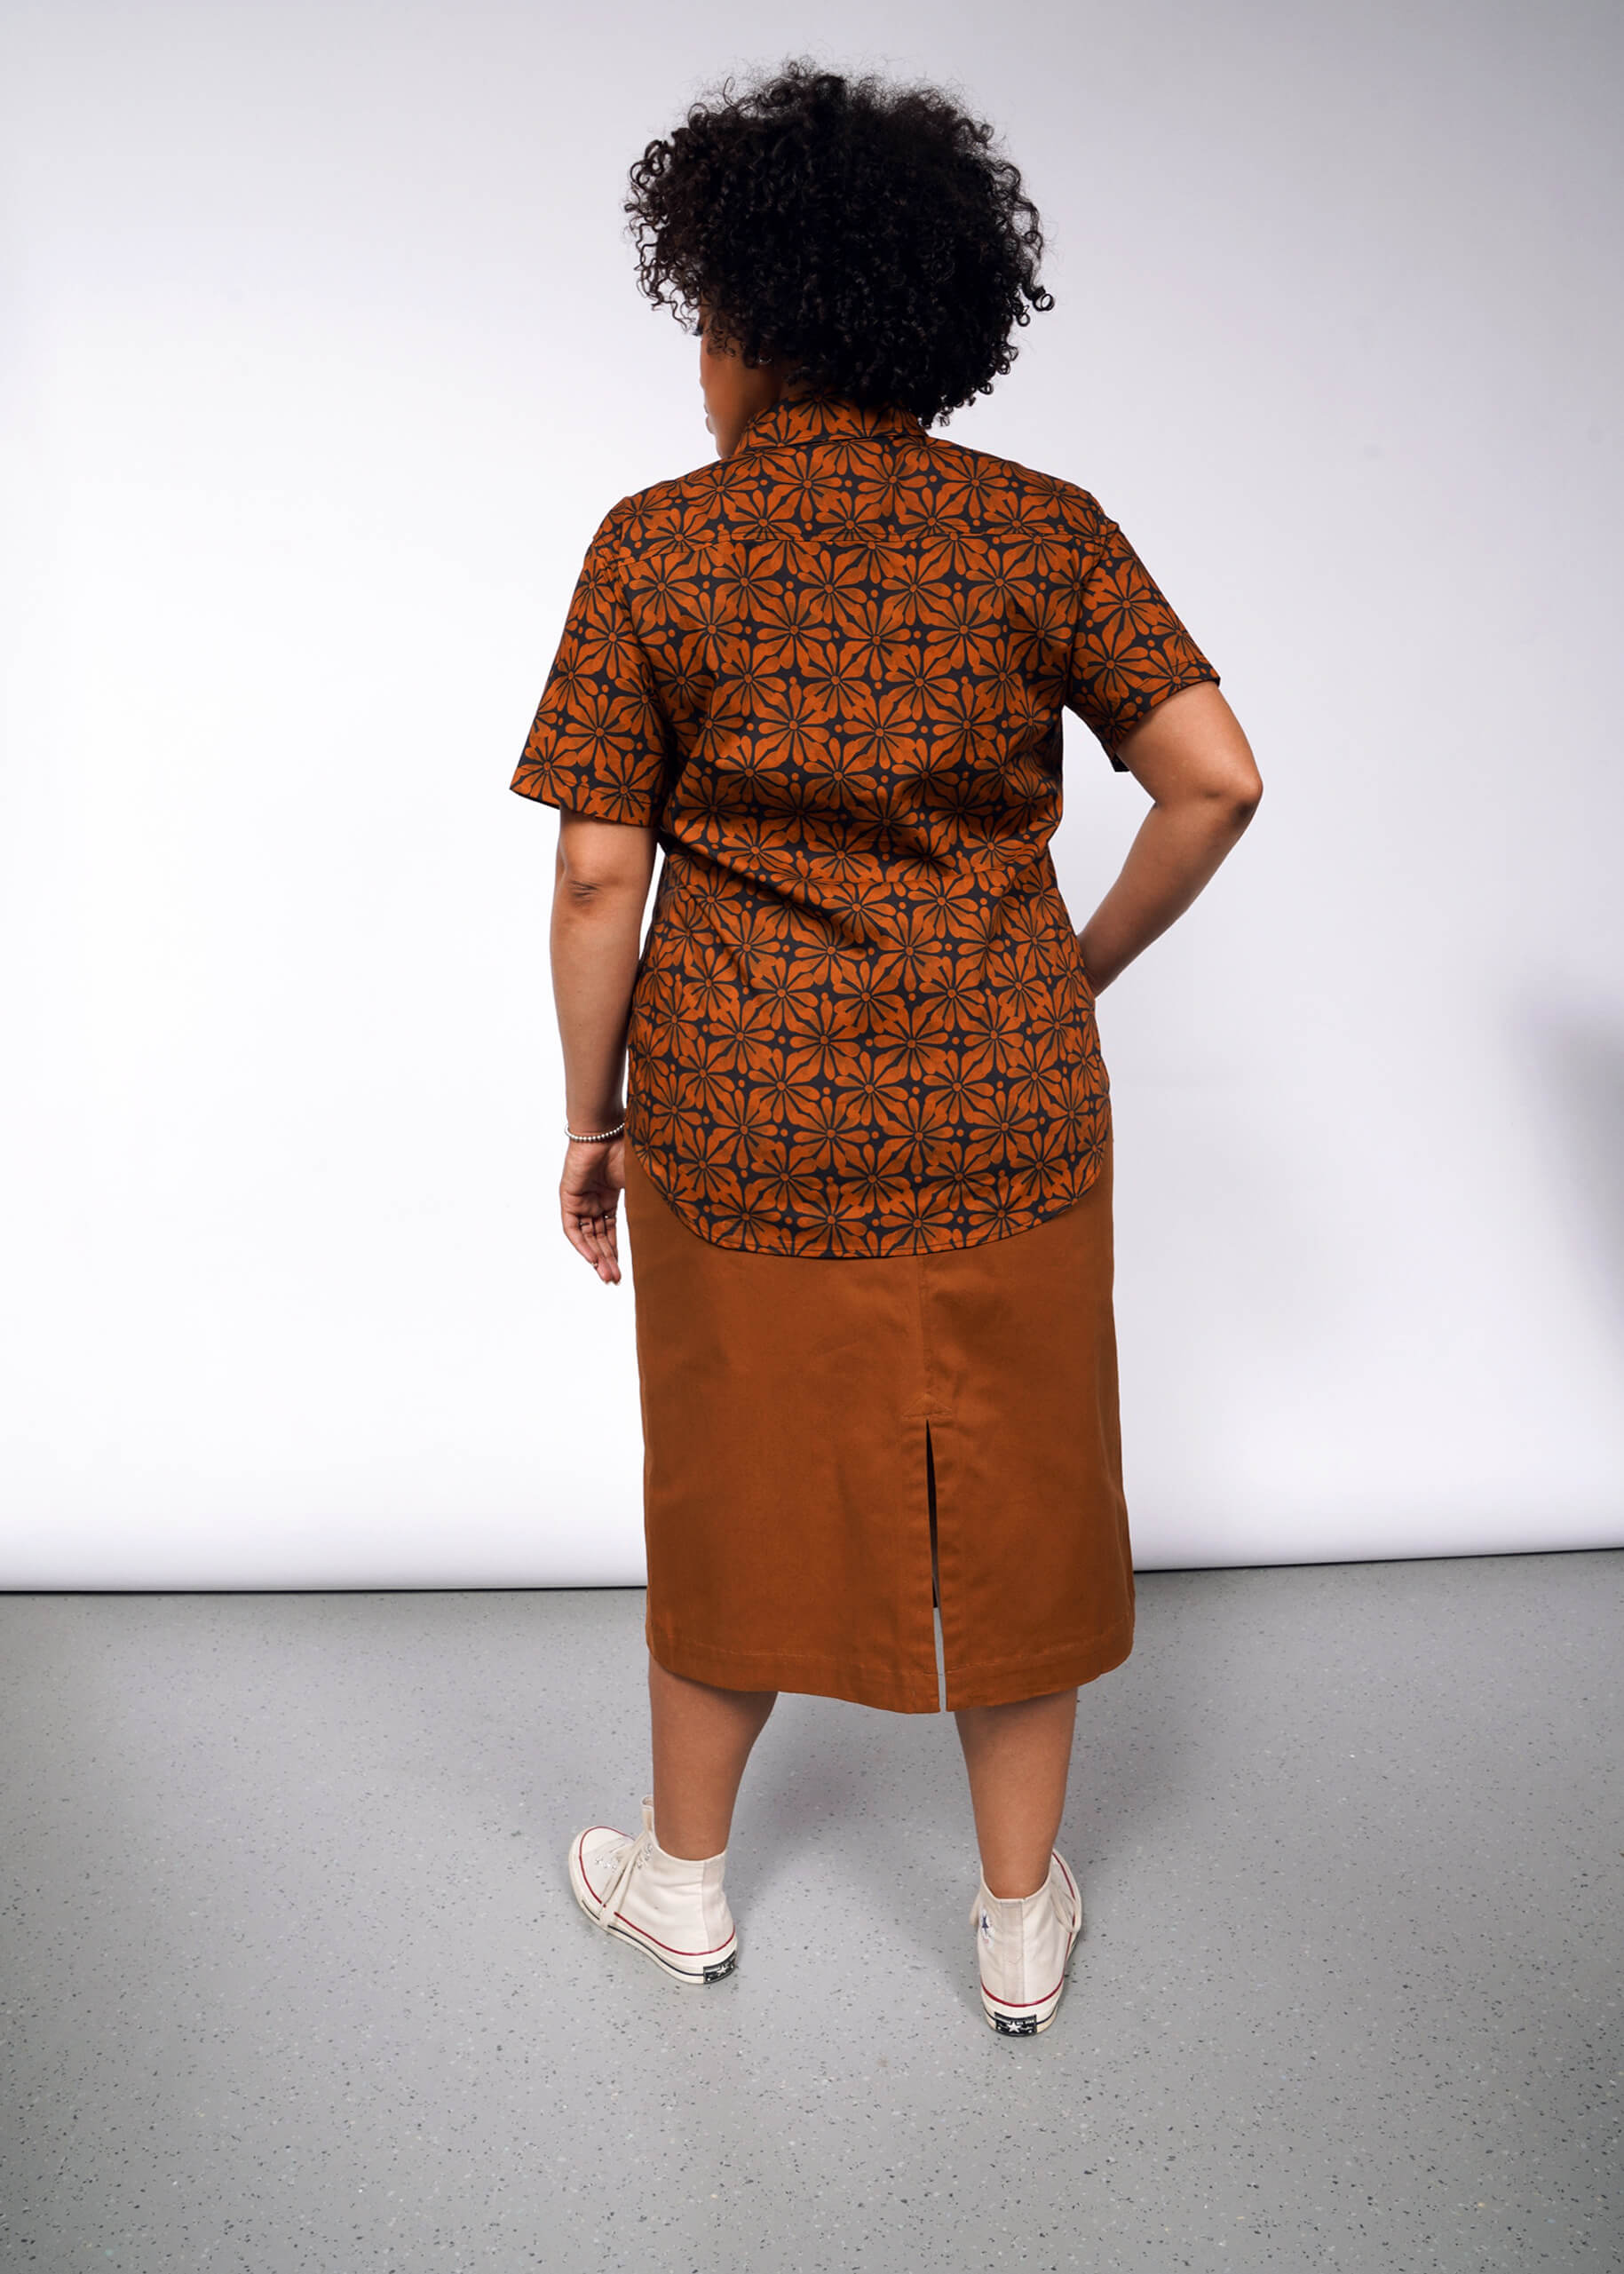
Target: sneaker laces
{"type": "Point", "coordinates": [622, 1862]}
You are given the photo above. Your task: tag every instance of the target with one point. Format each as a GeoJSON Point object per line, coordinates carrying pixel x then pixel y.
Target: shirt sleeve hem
{"type": "Point", "coordinates": [597, 804]}
{"type": "Point", "coordinates": [1205, 676]}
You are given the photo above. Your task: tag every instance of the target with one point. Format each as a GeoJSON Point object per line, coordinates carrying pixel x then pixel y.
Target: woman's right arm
{"type": "Point", "coordinates": [1193, 757]}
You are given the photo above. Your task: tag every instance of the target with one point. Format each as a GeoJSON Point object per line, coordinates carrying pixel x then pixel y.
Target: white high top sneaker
{"type": "Point", "coordinates": [674, 1909]}
{"type": "Point", "coordinates": [1024, 1946]}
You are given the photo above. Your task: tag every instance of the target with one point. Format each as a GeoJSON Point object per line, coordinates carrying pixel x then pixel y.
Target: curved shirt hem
{"type": "Point", "coordinates": [925, 1244]}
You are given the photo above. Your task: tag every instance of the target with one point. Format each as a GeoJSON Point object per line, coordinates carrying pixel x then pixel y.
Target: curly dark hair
{"type": "Point", "coordinates": [870, 233]}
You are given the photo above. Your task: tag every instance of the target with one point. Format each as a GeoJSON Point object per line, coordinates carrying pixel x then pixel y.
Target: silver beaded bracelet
{"type": "Point", "coordinates": [593, 1137]}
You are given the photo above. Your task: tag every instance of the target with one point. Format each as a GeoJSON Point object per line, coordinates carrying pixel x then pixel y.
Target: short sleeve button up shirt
{"type": "Point", "coordinates": [830, 672]}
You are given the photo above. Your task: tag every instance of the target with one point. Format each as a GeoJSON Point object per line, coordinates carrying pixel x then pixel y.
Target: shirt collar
{"type": "Point", "coordinates": [816, 418]}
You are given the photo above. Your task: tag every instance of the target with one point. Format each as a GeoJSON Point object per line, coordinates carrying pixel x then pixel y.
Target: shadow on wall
{"type": "Point", "coordinates": [1577, 1059]}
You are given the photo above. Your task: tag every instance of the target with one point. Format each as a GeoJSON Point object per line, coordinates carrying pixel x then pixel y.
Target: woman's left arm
{"type": "Point", "coordinates": [600, 889]}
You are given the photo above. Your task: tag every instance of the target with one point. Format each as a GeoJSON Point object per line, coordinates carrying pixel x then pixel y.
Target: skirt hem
{"type": "Point", "coordinates": [1009, 1680]}
{"type": "Point", "coordinates": [1003, 1683]}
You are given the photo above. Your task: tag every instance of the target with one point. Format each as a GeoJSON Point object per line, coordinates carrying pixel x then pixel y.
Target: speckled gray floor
{"type": "Point", "coordinates": [293, 1979]}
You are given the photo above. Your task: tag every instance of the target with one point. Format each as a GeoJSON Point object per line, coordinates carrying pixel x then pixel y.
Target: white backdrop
{"type": "Point", "coordinates": [330, 361]}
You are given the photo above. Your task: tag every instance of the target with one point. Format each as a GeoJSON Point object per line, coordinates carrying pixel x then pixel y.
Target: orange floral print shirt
{"type": "Point", "coordinates": [829, 672]}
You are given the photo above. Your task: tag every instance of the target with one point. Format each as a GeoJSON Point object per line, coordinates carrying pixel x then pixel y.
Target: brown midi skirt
{"type": "Point", "coordinates": [833, 1446]}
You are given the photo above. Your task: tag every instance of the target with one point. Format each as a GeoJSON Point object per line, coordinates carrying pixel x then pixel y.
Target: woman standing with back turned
{"type": "Point", "coordinates": [865, 1144]}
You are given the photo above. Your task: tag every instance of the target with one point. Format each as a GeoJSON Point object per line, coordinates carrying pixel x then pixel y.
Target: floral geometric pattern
{"type": "Point", "coordinates": [830, 673]}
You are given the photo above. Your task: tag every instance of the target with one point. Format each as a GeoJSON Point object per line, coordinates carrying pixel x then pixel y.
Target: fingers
{"type": "Point", "coordinates": [591, 1231]}
{"type": "Point", "coordinates": [589, 1207]}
